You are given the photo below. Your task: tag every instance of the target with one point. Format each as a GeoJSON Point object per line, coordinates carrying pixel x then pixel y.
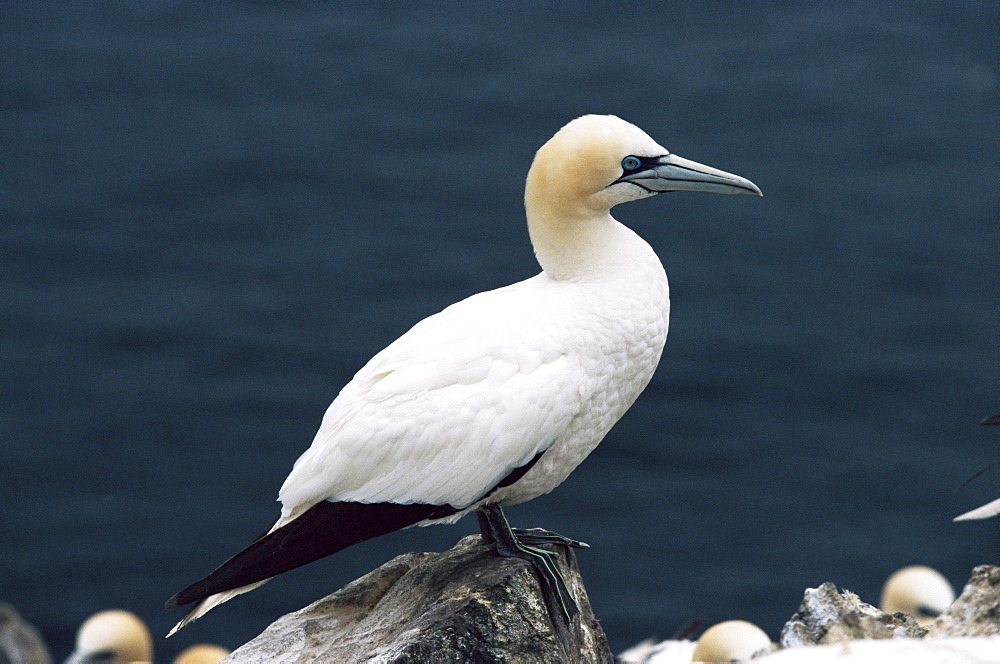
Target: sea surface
{"type": "Point", "coordinates": [212, 214]}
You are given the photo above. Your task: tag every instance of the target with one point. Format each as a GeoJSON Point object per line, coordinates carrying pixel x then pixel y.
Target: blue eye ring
{"type": "Point", "coordinates": [631, 163]}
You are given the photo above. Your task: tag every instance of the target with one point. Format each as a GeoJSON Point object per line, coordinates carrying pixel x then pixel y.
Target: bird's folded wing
{"type": "Point", "coordinates": [440, 416]}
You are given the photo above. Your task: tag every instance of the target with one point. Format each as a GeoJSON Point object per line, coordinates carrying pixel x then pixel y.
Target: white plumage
{"type": "Point", "coordinates": [467, 395]}
{"type": "Point", "coordinates": [991, 508]}
{"type": "Point", "coordinates": [542, 367]}
{"type": "Point", "coordinates": [114, 636]}
{"type": "Point", "coordinates": [921, 591]}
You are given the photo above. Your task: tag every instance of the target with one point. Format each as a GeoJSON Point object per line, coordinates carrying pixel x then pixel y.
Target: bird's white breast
{"type": "Point", "coordinates": [620, 330]}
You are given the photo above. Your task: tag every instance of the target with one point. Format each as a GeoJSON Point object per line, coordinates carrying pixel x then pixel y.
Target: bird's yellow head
{"type": "Point", "coordinates": [592, 164]}
{"type": "Point", "coordinates": [598, 161]}
{"type": "Point", "coordinates": [576, 169]}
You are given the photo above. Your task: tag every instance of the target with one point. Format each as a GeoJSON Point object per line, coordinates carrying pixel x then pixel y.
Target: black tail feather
{"type": "Point", "coordinates": [323, 529]}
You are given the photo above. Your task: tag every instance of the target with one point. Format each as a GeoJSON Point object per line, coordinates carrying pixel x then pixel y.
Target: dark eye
{"type": "Point", "coordinates": [631, 163]}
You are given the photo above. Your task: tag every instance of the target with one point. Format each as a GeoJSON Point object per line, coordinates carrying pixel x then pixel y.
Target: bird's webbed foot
{"type": "Point", "coordinates": [525, 544]}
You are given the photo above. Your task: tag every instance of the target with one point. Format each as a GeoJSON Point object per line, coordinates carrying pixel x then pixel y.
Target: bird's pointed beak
{"type": "Point", "coordinates": [673, 173]}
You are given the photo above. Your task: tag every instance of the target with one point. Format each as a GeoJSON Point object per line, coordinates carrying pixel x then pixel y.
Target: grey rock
{"type": "Point", "coordinates": [827, 616]}
{"type": "Point", "coordinates": [976, 612]}
{"type": "Point", "coordinates": [20, 642]}
{"type": "Point", "coordinates": [463, 605]}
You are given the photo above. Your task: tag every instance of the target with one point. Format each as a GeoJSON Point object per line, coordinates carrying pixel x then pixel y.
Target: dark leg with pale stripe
{"type": "Point", "coordinates": [540, 536]}
{"type": "Point", "coordinates": [524, 544]}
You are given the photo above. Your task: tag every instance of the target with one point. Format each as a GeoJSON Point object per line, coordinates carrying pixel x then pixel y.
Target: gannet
{"type": "Point", "coordinates": [991, 508]}
{"type": "Point", "coordinates": [497, 398]}
{"type": "Point", "coordinates": [727, 641]}
{"type": "Point", "coordinates": [202, 653]}
{"type": "Point", "coordinates": [113, 637]}
{"type": "Point", "coordinates": [19, 640]}
{"type": "Point", "coordinates": [919, 591]}
{"type": "Point", "coordinates": [730, 641]}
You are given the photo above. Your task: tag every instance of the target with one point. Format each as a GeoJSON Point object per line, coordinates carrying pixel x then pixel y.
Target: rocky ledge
{"type": "Point", "coordinates": [468, 605]}
{"type": "Point", "coordinates": [827, 616]}
{"type": "Point", "coordinates": [463, 605]}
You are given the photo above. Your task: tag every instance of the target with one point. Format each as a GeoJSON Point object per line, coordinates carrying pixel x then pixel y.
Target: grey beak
{"type": "Point", "coordinates": [673, 173]}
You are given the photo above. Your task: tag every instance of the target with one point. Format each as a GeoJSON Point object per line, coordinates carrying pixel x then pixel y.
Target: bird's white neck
{"type": "Point", "coordinates": [586, 247]}
{"type": "Point", "coordinates": [567, 246]}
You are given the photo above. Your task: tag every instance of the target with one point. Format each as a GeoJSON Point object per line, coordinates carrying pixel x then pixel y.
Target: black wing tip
{"type": "Point", "coordinates": [196, 592]}
{"type": "Point", "coordinates": [991, 421]}
{"type": "Point", "coordinates": [316, 533]}
{"type": "Point", "coordinates": [200, 590]}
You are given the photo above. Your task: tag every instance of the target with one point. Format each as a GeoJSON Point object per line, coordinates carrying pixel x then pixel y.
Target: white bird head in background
{"type": "Point", "coordinates": [919, 591]}
{"type": "Point", "coordinates": [113, 637]}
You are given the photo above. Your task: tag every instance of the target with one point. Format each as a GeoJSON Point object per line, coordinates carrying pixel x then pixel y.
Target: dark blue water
{"type": "Point", "coordinates": [212, 215]}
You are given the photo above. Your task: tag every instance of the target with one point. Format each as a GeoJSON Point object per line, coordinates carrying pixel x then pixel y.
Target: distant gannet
{"type": "Point", "coordinates": [723, 642]}
{"type": "Point", "coordinates": [919, 591]}
{"type": "Point", "coordinates": [202, 653]}
{"type": "Point", "coordinates": [991, 508]}
{"type": "Point", "coordinates": [730, 641]}
{"type": "Point", "coordinates": [19, 640]}
{"type": "Point", "coordinates": [496, 399]}
{"type": "Point", "coordinates": [112, 637]}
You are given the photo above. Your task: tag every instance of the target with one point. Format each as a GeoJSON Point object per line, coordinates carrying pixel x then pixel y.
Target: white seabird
{"type": "Point", "coordinates": [920, 591]}
{"type": "Point", "coordinates": [991, 508]}
{"type": "Point", "coordinates": [729, 641]}
{"type": "Point", "coordinates": [112, 637]}
{"type": "Point", "coordinates": [20, 641]}
{"type": "Point", "coordinates": [202, 653]}
{"type": "Point", "coordinates": [497, 398]}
